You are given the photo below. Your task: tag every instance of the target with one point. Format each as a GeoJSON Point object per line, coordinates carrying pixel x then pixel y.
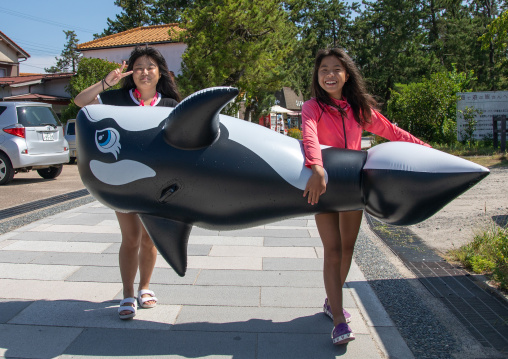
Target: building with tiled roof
{"type": "Point", "coordinates": [48, 88]}
{"type": "Point", "coordinates": [117, 47]}
{"type": "Point", "coordinates": [10, 54]}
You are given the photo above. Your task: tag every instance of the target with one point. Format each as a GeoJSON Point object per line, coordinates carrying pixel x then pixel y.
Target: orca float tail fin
{"type": "Point", "coordinates": [174, 250]}
{"type": "Point", "coordinates": [406, 183]}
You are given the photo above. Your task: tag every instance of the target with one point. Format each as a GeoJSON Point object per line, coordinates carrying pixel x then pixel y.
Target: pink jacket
{"type": "Point", "coordinates": [329, 129]}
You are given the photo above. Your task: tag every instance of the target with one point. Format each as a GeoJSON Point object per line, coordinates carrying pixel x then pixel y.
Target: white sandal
{"type": "Point", "coordinates": [142, 300]}
{"type": "Point", "coordinates": [130, 308]}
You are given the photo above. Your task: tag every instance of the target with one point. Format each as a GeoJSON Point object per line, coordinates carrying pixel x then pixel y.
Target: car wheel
{"type": "Point", "coordinates": [72, 160]}
{"type": "Point", "coordinates": [51, 172]}
{"type": "Point", "coordinates": [6, 170]}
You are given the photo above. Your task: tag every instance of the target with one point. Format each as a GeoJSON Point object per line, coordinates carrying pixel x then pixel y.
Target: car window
{"type": "Point", "coordinates": [2, 109]}
{"type": "Point", "coordinates": [31, 116]}
{"type": "Point", "coordinates": [71, 128]}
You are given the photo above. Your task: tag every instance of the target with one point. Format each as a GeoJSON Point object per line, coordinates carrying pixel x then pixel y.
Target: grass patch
{"type": "Point", "coordinates": [487, 254]}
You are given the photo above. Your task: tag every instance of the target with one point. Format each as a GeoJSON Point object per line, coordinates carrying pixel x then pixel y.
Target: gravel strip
{"type": "Point", "coordinates": [22, 220]}
{"type": "Point", "coordinates": [425, 336]}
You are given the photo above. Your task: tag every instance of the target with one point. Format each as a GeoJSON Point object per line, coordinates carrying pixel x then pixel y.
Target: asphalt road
{"type": "Point", "coordinates": [29, 187]}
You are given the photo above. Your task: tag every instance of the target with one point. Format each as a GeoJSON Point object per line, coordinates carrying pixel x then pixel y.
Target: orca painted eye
{"type": "Point", "coordinates": [108, 141]}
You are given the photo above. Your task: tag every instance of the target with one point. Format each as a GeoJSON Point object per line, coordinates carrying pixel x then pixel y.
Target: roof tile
{"type": "Point", "coordinates": [139, 35]}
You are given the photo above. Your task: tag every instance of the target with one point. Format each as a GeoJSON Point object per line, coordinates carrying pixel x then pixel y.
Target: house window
{"type": "Point", "coordinates": [3, 73]}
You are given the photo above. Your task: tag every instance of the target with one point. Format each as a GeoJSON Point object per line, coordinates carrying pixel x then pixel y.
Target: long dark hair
{"type": "Point", "coordinates": [166, 84]}
{"type": "Point", "coordinates": [354, 90]}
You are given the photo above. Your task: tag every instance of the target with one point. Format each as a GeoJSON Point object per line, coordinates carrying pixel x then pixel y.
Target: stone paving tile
{"type": "Point", "coordinates": [296, 222]}
{"type": "Point", "coordinates": [226, 241]}
{"type": "Point", "coordinates": [8, 235]}
{"type": "Point", "coordinates": [112, 275]}
{"type": "Point", "coordinates": [57, 290]}
{"type": "Point", "coordinates": [75, 228]}
{"type": "Point", "coordinates": [314, 233]}
{"type": "Point", "coordinates": [207, 295]}
{"type": "Point", "coordinates": [296, 297]}
{"type": "Point", "coordinates": [198, 249]}
{"type": "Point", "coordinates": [197, 231]}
{"type": "Point", "coordinates": [279, 226]}
{"type": "Point", "coordinates": [77, 259]}
{"type": "Point", "coordinates": [192, 249]}
{"type": "Point", "coordinates": [45, 342]}
{"type": "Point", "coordinates": [258, 319]}
{"type": "Point", "coordinates": [285, 345]}
{"type": "Point", "coordinates": [6, 243]}
{"type": "Point", "coordinates": [119, 343]}
{"type": "Point", "coordinates": [296, 279]}
{"type": "Point", "coordinates": [292, 242]}
{"type": "Point", "coordinates": [35, 271]}
{"type": "Point", "coordinates": [10, 308]}
{"type": "Point", "coordinates": [262, 232]}
{"type": "Point", "coordinates": [97, 237]}
{"type": "Point", "coordinates": [95, 210]}
{"type": "Point", "coordinates": [18, 256]}
{"type": "Point", "coordinates": [84, 314]}
{"type": "Point", "coordinates": [113, 249]}
{"type": "Point", "coordinates": [88, 220]}
{"type": "Point", "coordinates": [293, 264]}
{"type": "Point", "coordinates": [225, 263]}
{"type": "Point", "coordinates": [53, 246]}
{"type": "Point", "coordinates": [44, 236]}
{"type": "Point", "coordinates": [251, 251]}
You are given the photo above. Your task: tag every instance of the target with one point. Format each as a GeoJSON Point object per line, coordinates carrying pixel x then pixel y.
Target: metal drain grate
{"type": "Point", "coordinates": [482, 313]}
{"type": "Point", "coordinates": [32, 206]}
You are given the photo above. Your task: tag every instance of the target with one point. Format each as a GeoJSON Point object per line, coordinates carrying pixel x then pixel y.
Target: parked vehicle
{"type": "Point", "coordinates": [70, 136]}
{"type": "Point", "coordinates": [31, 138]}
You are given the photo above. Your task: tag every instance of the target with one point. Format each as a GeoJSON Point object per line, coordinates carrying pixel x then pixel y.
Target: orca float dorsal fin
{"type": "Point", "coordinates": [173, 249]}
{"type": "Point", "coordinates": [194, 123]}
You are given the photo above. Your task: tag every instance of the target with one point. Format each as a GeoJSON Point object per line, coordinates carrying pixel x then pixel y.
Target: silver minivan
{"type": "Point", "coordinates": [70, 136]}
{"type": "Point", "coordinates": [31, 138]}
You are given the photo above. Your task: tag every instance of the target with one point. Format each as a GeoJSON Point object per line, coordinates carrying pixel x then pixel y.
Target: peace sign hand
{"type": "Point", "coordinates": [116, 75]}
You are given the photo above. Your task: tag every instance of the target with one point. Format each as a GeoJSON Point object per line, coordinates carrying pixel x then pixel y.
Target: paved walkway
{"type": "Point", "coordinates": [254, 293]}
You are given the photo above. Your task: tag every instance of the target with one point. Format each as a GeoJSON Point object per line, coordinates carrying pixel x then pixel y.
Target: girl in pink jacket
{"type": "Point", "coordinates": [341, 108]}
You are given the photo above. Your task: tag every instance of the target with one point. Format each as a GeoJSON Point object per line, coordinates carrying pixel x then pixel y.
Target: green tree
{"type": "Point", "coordinates": [69, 58]}
{"type": "Point", "coordinates": [497, 33]}
{"type": "Point", "coordinates": [90, 71]}
{"type": "Point", "coordinates": [428, 109]}
{"type": "Point", "coordinates": [390, 44]}
{"type": "Point", "coordinates": [320, 24]}
{"type": "Point", "coordinates": [496, 38]}
{"type": "Point", "coordinates": [136, 13]}
{"type": "Point", "coordinates": [169, 11]}
{"type": "Point", "coordinates": [241, 43]}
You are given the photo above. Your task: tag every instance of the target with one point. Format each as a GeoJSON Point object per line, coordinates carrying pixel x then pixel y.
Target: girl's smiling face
{"type": "Point", "coordinates": [146, 73]}
{"type": "Point", "coordinates": [332, 76]}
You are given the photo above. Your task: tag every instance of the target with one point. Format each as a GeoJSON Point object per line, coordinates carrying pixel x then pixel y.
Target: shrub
{"type": "Point", "coordinates": [295, 133]}
{"type": "Point", "coordinates": [90, 71]}
{"type": "Point", "coordinates": [428, 109]}
{"type": "Point", "coordinates": [487, 254]}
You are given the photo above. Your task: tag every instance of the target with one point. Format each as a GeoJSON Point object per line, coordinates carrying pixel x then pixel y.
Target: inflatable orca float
{"type": "Point", "coordinates": [198, 168]}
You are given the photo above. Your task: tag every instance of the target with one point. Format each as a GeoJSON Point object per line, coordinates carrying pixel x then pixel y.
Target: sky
{"type": "Point", "coordinates": [37, 26]}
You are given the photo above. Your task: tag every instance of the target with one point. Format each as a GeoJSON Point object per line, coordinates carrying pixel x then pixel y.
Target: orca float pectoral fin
{"type": "Point", "coordinates": [171, 238]}
{"type": "Point", "coordinates": [194, 123]}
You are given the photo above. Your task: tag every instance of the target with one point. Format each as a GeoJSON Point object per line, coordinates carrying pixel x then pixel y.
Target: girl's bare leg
{"type": "Point", "coordinates": [349, 223]}
{"type": "Point", "coordinates": [329, 231]}
{"type": "Point", "coordinates": [134, 252]}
